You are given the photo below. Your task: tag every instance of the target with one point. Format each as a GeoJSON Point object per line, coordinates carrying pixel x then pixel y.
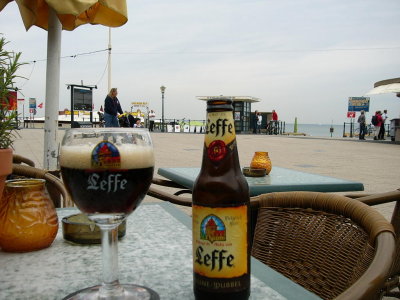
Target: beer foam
{"type": "Point", "coordinates": [80, 156]}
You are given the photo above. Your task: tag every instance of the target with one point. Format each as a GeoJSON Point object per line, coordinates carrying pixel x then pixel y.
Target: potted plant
{"type": "Point", "coordinates": [9, 64]}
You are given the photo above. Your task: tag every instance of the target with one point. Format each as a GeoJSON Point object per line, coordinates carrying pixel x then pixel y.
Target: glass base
{"type": "Point", "coordinates": [131, 292]}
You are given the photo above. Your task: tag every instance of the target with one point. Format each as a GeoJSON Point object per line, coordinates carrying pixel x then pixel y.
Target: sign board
{"type": "Point", "coordinates": [32, 102]}
{"type": "Point", "coordinates": [358, 104]}
{"type": "Point", "coordinates": [139, 109]}
{"type": "Point", "coordinates": [82, 99]}
{"type": "Point", "coordinates": [140, 104]}
{"type": "Point", "coordinates": [351, 114]}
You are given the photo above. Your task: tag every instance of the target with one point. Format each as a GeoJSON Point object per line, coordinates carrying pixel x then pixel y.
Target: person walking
{"type": "Point", "coordinates": [152, 117]}
{"type": "Point", "coordinates": [361, 121]}
{"type": "Point", "coordinates": [112, 108]}
{"type": "Point", "coordinates": [378, 123]}
{"type": "Point", "coordinates": [381, 135]}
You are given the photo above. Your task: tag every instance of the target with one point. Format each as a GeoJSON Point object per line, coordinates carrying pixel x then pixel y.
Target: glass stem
{"type": "Point", "coordinates": [109, 245]}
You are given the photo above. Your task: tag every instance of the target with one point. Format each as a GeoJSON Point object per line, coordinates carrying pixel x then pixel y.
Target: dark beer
{"type": "Point", "coordinates": [221, 257]}
{"type": "Point", "coordinates": [107, 179]}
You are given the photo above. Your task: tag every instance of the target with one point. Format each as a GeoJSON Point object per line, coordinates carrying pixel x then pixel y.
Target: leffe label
{"type": "Point", "coordinates": [220, 132]}
{"type": "Point", "coordinates": [220, 241]}
{"type": "Point", "coordinates": [105, 155]}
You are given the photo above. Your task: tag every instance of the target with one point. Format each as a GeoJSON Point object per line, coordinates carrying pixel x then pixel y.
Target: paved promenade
{"type": "Point", "coordinates": [374, 163]}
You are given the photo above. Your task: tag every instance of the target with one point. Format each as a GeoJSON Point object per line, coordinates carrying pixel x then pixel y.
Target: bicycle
{"type": "Point", "coordinates": [369, 130]}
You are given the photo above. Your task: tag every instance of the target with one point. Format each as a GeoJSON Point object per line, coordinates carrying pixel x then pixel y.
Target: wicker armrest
{"type": "Point", "coordinates": [375, 199]}
{"type": "Point", "coordinates": [31, 172]}
{"type": "Point", "coordinates": [18, 159]}
{"type": "Point", "coordinates": [165, 196]}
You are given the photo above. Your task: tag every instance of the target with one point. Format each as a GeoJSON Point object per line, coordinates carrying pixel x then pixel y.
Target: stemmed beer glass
{"type": "Point", "coordinates": [107, 172]}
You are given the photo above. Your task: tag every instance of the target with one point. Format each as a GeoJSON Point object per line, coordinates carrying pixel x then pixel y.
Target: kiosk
{"type": "Point", "coordinates": [241, 110]}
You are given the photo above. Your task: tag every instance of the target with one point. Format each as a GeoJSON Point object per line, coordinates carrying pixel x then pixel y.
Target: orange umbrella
{"type": "Point", "coordinates": [53, 16]}
{"type": "Point", "coordinates": [71, 13]}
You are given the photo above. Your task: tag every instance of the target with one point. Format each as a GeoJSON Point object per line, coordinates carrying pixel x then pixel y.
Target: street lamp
{"type": "Point", "coordinates": [162, 88]}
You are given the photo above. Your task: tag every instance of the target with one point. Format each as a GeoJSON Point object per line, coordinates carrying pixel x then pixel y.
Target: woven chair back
{"type": "Point", "coordinates": [323, 242]}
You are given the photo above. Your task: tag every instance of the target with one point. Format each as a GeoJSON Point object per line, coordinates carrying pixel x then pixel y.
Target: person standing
{"type": "Point", "coordinates": [361, 121]}
{"type": "Point", "coordinates": [259, 122]}
{"type": "Point", "coordinates": [152, 117]}
{"type": "Point", "coordinates": [275, 121]}
{"type": "Point", "coordinates": [381, 135]}
{"type": "Point", "coordinates": [112, 108]}
{"type": "Point", "coordinates": [378, 122]}
{"type": "Point", "coordinates": [255, 120]}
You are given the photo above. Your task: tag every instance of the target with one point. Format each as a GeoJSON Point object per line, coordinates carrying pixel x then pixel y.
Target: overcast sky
{"type": "Point", "coordinates": [303, 58]}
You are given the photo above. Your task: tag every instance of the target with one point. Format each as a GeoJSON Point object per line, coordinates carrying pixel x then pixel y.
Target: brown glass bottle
{"type": "Point", "coordinates": [221, 254]}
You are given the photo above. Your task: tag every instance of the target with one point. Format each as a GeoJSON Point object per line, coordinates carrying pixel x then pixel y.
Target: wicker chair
{"type": "Point", "coordinates": [334, 246]}
{"type": "Point", "coordinates": [392, 285]}
{"type": "Point", "coordinates": [376, 232]}
{"type": "Point", "coordinates": [54, 185]}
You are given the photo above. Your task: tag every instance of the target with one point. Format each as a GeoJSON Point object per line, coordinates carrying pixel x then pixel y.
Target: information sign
{"type": "Point", "coordinates": [358, 104]}
{"type": "Point", "coordinates": [351, 114]}
{"type": "Point", "coordinates": [82, 99]}
{"type": "Point", "coordinates": [32, 102]}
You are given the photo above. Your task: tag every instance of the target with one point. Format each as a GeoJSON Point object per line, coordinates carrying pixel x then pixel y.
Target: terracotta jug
{"type": "Point", "coordinates": [261, 161]}
{"type": "Point", "coordinates": [28, 219]}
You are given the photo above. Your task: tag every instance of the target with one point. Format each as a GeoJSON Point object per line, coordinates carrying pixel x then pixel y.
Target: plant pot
{"type": "Point", "coordinates": [6, 157]}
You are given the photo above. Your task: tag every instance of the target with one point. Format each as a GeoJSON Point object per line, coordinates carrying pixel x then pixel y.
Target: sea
{"type": "Point", "coordinates": [321, 130]}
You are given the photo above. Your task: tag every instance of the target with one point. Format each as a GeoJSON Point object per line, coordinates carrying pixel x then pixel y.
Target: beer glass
{"type": "Point", "coordinates": [107, 172]}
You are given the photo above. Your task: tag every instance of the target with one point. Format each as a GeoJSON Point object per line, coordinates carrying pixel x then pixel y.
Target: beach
{"type": "Point", "coordinates": [374, 163]}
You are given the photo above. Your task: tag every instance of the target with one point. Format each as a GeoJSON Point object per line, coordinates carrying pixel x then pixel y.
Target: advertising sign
{"type": "Point", "coordinates": [82, 99]}
{"type": "Point", "coordinates": [139, 109]}
{"type": "Point", "coordinates": [358, 104]}
{"type": "Point", "coordinates": [32, 102]}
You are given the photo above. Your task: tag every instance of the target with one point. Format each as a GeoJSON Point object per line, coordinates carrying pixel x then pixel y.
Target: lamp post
{"type": "Point", "coordinates": [162, 88]}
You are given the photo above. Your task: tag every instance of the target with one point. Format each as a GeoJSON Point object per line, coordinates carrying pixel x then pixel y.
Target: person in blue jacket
{"type": "Point", "coordinates": [111, 109]}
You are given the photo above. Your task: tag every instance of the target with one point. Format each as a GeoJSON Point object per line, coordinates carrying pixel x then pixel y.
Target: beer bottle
{"type": "Point", "coordinates": [221, 254]}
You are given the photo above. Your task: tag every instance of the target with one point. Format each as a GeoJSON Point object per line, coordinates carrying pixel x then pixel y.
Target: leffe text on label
{"type": "Point", "coordinates": [111, 184]}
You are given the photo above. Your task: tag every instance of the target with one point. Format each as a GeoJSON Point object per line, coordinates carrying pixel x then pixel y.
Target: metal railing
{"type": "Point", "coordinates": [352, 129]}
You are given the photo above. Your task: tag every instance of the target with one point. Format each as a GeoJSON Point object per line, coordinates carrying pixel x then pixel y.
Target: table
{"type": "Point", "coordinates": [279, 180]}
{"type": "Point", "coordinates": [156, 252]}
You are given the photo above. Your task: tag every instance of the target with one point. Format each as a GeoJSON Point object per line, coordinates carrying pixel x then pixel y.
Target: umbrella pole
{"type": "Point", "coordinates": [52, 92]}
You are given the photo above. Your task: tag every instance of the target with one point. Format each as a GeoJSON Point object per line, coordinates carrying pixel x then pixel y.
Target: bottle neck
{"type": "Point", "coordinates": [220, 126]}
{"type": "Point", "coordinates": [220, 137]}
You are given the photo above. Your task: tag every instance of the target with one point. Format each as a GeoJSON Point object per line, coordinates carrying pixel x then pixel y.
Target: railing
{"type": "Point", "coordinates": [180, 125]}
{"type": "Point", "coordinates": [276, 127]}
{"type": "Point", "coordinates": [352, 129]}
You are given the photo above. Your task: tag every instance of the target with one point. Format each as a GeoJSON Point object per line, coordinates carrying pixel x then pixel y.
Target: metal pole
{"type": "Point", "coordinates": [162, 99]}
{"type": "Point", "coordinates": [109, 59]}
{"type": "Point", "coordinates": [162, 88]}
{"type": "Point", "coordinates": [351, 128]}
{"type": "Point", "coordinates": [52, 92]}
